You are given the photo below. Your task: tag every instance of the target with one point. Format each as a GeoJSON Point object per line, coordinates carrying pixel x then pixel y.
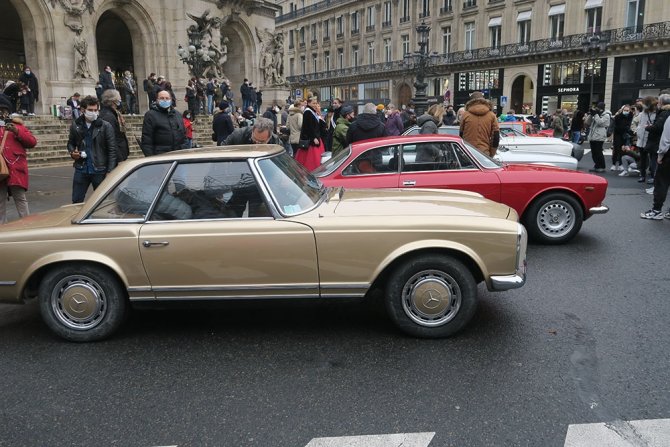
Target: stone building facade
{"type": "Point", "coordinates": [527, 55]}
{"type": "Point", "coordinates": [67, 43]}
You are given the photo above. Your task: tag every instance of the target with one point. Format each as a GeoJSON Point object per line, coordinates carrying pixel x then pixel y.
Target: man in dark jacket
{"type": "Point", "coordinates": [106, 79]}
{"type": "Point", "coordinates": [262, 132]}
{"type": "Point", "coordinates": [29, 79]}
{"type": "Point", "coordinates": [655, 130]}
{"type": "Point", "coordinates": [92, 146]}
{"type": "Point", "coordinates": [367, 125]}
{"type": "Point", "coordinates": [111, 103]}
{"type": "Point", "coordinates": [163, 127]}
{"type": "Point", "coordinates": [222, 125]}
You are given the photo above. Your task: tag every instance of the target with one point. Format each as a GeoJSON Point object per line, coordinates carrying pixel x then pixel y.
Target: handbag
{"type": "Point", "coordinates": [303, 144]}
{"type": "Point", "coordinates": [4, 168]}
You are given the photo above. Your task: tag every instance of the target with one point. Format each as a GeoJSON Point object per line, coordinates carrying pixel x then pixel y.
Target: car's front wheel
{"type": "Point", "coordinates": [554, 218]}
{"type": "Point", "coordinates": [82, 302]}
{"type": "Point", "coordinates": [431, 296]}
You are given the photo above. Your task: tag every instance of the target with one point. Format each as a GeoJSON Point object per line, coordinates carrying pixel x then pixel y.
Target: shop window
{"type": "Point", "coordinates": [655, 67]}
{"type": "Point", "coordinates": [627, 69]}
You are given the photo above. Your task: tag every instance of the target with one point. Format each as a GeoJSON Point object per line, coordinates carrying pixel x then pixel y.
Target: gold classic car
{"type": "Point", "coordinates": [248, 222]}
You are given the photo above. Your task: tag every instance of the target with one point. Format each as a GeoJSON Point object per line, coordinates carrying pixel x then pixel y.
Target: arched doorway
{"type": "Point", "coordinates": [521, 100]}
{"type": "Point", "coordinates": [404, 95]}
{"type": "Point", "coordinates": [12, 50]}
{"type": "Point", "coordinates": [115, 45]}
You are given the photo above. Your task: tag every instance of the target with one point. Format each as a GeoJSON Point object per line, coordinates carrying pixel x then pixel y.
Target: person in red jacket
{"type": "Point", "coordinates": [15, 139]}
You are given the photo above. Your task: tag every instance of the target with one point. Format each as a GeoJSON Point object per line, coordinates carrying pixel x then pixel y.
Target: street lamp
{"type": "Point", "coordinates": [593, 45]}
{"type": "Point", "coordinates": [419, 61]}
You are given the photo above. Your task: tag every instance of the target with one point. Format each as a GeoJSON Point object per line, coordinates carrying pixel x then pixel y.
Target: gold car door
{"type": "Point", "coordinates": [211, 236]}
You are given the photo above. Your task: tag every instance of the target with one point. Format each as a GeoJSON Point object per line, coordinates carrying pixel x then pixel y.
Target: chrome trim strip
{"type": "Point", "coordinates": [288, 287]}
{"type": "Point", "coordinates": [7, 283]}
{"type": "Point", "coordinates": [362, 285]}
{"type": "Point", "coordinates": [342, 295]}
{"type": "Point", "coordinates": [140, 289]}
{"type": "Point", "coordinates": [602, 209]}
{"type": "Point", "coordinates": [233, 297]}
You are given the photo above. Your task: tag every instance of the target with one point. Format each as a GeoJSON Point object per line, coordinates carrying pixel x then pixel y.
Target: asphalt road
{"type": "Point", "coordinates": [585, 340]}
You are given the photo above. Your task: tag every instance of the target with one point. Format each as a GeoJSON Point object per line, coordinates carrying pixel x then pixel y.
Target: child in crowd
{"type": "Point", "coordinates": [187, 117]}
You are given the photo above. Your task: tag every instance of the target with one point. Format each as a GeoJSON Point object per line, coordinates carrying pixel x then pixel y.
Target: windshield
{"type": "Point", "coordinates": [484, 160]}
{"type": "Point", "coordinates": [333, 163]}
{"type": "Point", "coordinates": [510, 132]}
{"type": "Point", "coordinates": [293, 189]}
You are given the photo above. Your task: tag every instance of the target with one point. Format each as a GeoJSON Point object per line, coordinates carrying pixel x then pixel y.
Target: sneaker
{"type": "Point", "coordinates": [633, 171]}
{"type": "Point", "coordinates": [613, 168]}
{"type": "Point", "coordinates": [623, 174]}
{"type": "Point", "coordinates": [650, 181]}
{"type": "Point", "coordinates": [667, 215]}
{"type": "Point", "coordinates": [31, 114]}
{"type": "Point", "coordinates": [649, 190]}
{"type": "Point", "coordinates": [641, 180]}
{"type": "Point", "coordinates": [619, 168]}
{"type": "Point", "coordinates": [652, 214]}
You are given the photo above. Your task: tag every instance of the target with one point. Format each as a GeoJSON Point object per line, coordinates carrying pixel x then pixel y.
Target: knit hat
{"type": "Point", "coordinates": [380, 106]}
{"type": "Point", "coordinates": [346, 110]}
{"type": "Point", "coordinates": [223, 105]}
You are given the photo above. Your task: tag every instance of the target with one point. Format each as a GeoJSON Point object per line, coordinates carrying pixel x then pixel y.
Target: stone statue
{"type": "Point", "coordinates": [74, 10]}
{"type": "Point", "coordinates": [271, 57]}
{"type": "Point", "coordinates": [81, 69]}
{"type": "Point", "coordinates": [213, 52]}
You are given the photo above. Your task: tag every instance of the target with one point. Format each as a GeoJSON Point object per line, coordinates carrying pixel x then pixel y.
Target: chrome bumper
{"type": "Point", "coordinates": [499, 283]}
{"type": "Point", "coordinates": [602, 209]}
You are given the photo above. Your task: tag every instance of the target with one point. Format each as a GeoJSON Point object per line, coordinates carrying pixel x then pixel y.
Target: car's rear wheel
{"type": "Point", "coordinates": [554, 218]}
{"type": "Point", "coordinates": [82, 302]}
{"type": "Point", "coordinates": [431, 296]}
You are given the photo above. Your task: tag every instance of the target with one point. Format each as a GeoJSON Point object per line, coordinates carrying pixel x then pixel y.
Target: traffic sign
{"type": "Point", "coordinates": [298, 93]}
{"type": "Point", "coordinates": [503, 101]}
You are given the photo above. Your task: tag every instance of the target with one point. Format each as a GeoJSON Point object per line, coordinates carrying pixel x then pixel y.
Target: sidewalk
{"type": "Point", "coordinates": [50, 187]}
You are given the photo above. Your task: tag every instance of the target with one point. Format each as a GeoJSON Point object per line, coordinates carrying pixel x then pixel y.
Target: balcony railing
{"type": "Point", "coordinates": [404, 19]}
{"type": "Point", "coordinates": [355, 32]}
{"type": "Point", "coordinates": [493, 2]}
{"type": "Point", "coordinates": [369, 28]}
{"type": "Point", "coordinates": [326, 38]}
{"type": "Point", "coordinates": [469, 4]}
{"type": "Point", "coordinates": [649, 33]}
{"type": "Point", "coordinates": [317, 7]}
{"type": "Point", "coordinates": [424, 14]}
{"type": "Point", "coordinates": [446, 10]}
{"type": "Point", "coordinates": [387, 24]}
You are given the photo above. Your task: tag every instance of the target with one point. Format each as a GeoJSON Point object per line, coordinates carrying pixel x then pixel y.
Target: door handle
{"type": "Point", "coordinates": [409, 183]}
{"type": "Point", "coordinates": [149, 243]}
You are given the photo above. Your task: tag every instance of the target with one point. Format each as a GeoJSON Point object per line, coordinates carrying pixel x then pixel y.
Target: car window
{"type": "Point", "coordinates": [374, 161]}
{"type": "Point", "coordinates": [333, 163]}
{"type": "Point", "coordinates": [435, 156]}
{"type": "Point", "coordinates": [132, 198]}
{"type": "Point", "coordinates": [211, 190]}
{"type": "Point", "coordinates": [510, 132]}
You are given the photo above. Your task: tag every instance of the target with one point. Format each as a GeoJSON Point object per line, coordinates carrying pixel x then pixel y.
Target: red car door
{"type": "Point", "coordinates": [445, 165]}
{"type": "Point", "coordinates": [374, 168]}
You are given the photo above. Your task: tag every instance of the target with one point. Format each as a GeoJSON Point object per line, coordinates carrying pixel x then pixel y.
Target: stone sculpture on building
{"type": "Point", "coordinates": [271, 60]}
{"type": "Point", "coordinates": [81, 69]}
{"type": "Point", "coordinates": [208, 49]}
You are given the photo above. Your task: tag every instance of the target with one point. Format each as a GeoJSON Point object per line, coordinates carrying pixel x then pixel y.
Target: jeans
{"type": "Point", "coordinates": [210, 104]}
{"type": "Point", "coordinates": [597, 154]}
{"type": "Point", "coordinates": [576, 136]}
{"type": "Point", "coordinates": [131, 103]}
{"type": "Point", "coordinates": [81, 181]}
{"type": "Point", "coordinates": [19, 196]}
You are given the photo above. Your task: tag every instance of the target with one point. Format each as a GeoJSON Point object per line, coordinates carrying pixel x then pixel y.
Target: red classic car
{"type": "Point", "coordinates": [552, 202]}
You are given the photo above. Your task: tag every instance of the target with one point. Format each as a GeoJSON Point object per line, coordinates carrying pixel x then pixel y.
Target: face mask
{"type": "Point", "coordinates": [118, 103]}
{"type": "Point", "coordinates": [625, 113]}
{"type": "Point", "coordinates": [27, 72]}
{"type": "Point", "coordinates": [91, 116]}
{"type": "Point", "coordinates": [165, 103]}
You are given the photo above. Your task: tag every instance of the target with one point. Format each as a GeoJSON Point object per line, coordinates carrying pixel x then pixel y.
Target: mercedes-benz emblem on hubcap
{"type": "Point", "coordinates": [431, 298]}
{"type": "Point", "coordinates": [78, 304]}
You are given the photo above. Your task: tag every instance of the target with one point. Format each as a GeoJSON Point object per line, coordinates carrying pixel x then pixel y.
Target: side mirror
{"type": "Point", "coordinates": [503, 149]}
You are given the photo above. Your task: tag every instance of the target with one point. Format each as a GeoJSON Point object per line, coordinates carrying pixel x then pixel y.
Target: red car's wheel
{"type": "Point", "coordinates": [554, 218]}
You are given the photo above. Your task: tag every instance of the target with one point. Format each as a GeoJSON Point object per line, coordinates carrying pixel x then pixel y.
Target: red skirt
{"type": "Point", "coordinates": [310, 157]}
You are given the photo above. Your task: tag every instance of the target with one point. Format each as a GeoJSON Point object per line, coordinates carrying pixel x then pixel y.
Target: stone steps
{"type": "Point", "coordinates": [52, 135]}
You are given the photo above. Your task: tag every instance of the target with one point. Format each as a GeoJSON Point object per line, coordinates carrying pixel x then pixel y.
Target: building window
{"type": "Point", "coordinates": [496, 33]}
{"type": "Point", "coordinates": [405, 44]}
{"type": "Point", "coordinates": [314, 63]}
{"type": "Point", "coordinates": [387, 50]}
{"type": "Point", "coordinates": [371, 53]}
{"type": "Point", "coordinates": [290, 39]}
{"type": "Point", "coordinates": [469, 36]}
{"type": "Point", "coordinates": [557, 24]}
{"type": "Point", "coordinates": [303, 65]}
{"type": "Point", "coordinates": [635, 16]}
{"type": "Point", "coordinates": [469, 4]}
{"type": "Point", "coordinates": [446, 40]}
{"type": "Point", "coordinates": [593, 20]}
{"type": "Point", "coordinates": [326, 29]}
{"type": "Point", "coordinates": [339, 26]}
{"type": "Point", "coordinates": [355, 26]}
{"type": "Point", "coordinates": [315, 36]}
{"type": "Point", "coordinates": [302, 36]}
{"type": "Point", "coordinates": [387, 14]}
{"type": "Point", "coordinates": [405, 11]}
{"type": "Point", "coordinates": [425, 9]}
{"type": "Point", "coordinates": [370, 19]}
{"type": "Point", "coordinates": [446, 7]}
{"type": "Point", "coordinates": [354, 56]}
{"type": "Point", "coordinates": [340, 58]}
{"type": "Point", "coordinates": [291, 66]}
{"type": "Point", "coordinates": [326, 60]}
{"type": "Point", "coordinates": [524, 32]}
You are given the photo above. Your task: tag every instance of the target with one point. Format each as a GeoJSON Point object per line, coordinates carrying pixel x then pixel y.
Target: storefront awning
{"type": "Point", "coordinates": [523, 16]}
{"type": "Point", "coordinates": [556, 10]}
{"type": "Point", "coordinates": [495, 21]}
{"type": "Point", "coordinates": [593, 4]}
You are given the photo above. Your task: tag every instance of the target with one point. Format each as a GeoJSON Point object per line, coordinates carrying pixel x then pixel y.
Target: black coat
{"type": "Point", "coordinates": [104, 143]}
{"type": "Point", "coordinates": [31, 81]}
{"type": "Point", "coordinates": [122, 151]}
{"type": "Point", "coordinates": [656, 129]}
{"type": "Point", "coordinates": [106, 81]}
{"type": "Point", "coordinates": [243, 136]}
{"type": "Point", "coordinates": [222, 126]}
{"type": "Point", "coordinates": [162, 131]}
{"type": "Point", "coordinates": [269, 114]}
{"type": "Point", "coordinates": [312, 127]}
{"type": "Point", "coordinates": [364, 127]}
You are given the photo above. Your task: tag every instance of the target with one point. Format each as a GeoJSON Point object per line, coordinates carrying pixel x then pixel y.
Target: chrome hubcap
{"type": "Point", "coordinates": [431, 298]}
{"type": "Point", "coordinates": [556, 219]}
{"type": "Point", "coordinates": [79, 302]}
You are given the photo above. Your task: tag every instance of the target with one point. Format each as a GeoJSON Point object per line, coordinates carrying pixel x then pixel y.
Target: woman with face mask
{"type": "Point", "coordinates": [163, 127]}
{"type": "Point", "coordinates": [621, 136]}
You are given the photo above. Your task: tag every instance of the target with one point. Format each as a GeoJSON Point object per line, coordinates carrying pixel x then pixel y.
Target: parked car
{"type": "Point", "coordinates": [552, 202]}
{"type": "Point", "coordinates": [527, 128]}
{"type": "Point", "coordinates": [517, 141]}
{"type": "Point", "coordinates": [249, 222]}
